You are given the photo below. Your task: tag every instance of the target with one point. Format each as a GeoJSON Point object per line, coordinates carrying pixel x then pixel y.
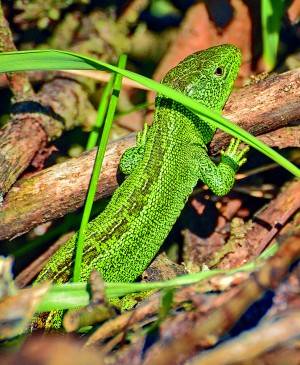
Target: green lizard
{"type": "Point", "coordinates": [167, 162]}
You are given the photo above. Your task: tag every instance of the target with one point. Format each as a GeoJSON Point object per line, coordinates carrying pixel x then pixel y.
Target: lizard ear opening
{"type": "Point", "coordinates": [219, 71]}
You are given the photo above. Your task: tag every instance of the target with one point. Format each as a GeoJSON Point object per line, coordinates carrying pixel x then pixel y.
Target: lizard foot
{"type": "Point", "coordinates": [233, 156]}
{"type": "Point", "coordinates": [132, 156]}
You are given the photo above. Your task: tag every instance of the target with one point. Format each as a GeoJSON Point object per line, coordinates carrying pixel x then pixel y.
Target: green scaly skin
{"type": "Point", "coordinates": [169, 159]}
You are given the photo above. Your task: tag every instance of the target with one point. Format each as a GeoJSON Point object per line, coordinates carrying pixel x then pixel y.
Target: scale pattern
{"type": "Point", "coordinates": [125, 237]}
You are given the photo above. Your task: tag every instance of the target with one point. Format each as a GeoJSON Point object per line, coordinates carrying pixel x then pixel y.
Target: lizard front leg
{"type": "Point", "coordinates": [220, 178]}
{"type": "Point", "coordinates": [132, 156]}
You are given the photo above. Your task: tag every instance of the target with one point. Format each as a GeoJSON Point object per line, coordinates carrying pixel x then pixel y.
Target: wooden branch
{"type": "Point", "coordinates": [60, 189]}
{"type": "Point", "coordinates": [263, 107]}
{"type": "Point", "coordinates": [27, 133]}
{"type": "Point", "coordinates": [216, 323]}
{"type": "Point", "coordinates": [62, 104]}
{"type": "Point", "coordinates": [265, 226]}
{"type": "Point", "coordinates": [283, 137]}
{"type": "Point", "coordinates": [271, 335]}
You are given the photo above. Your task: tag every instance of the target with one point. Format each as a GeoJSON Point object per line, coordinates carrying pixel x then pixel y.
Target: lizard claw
{"type": "Point", "coordinates": [233, 153]}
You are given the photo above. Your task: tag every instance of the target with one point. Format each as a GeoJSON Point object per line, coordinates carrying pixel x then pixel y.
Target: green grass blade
{"type": "Point", "coordinates": [64, 297]}
{"type": "Point", "coordinates": [165, 303]}
{"type": "Point", "coordinates": [94, 134]}
{"type": "Point", "coordinates": [97, 168]}
{"type": "Point", "coordinates": [138, 107]}
{"type": "Point", "coordinates": [55, 60]}
{"type": "Point", "coordinates": [72, 295]}
{"type": "Point", "coordinates": [271, 15]}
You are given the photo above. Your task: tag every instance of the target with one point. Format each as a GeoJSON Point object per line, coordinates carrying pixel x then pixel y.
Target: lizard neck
{"type": "Point", "coordinates": [165, 107]}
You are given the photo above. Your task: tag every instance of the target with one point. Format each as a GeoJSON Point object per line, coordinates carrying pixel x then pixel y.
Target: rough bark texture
{"type": "Point", "coordinates": [60, 189]}
{"type": "Point", "coordinates": [53, 192]}
{"type": "Point", "coordinates": [283, 137]}
{"type": "Point", "coordinates": [209, 328]}
{"type": "Point", "coordinates": [64, 105]}
{"type": "Point", "coordinates": [265, 226]}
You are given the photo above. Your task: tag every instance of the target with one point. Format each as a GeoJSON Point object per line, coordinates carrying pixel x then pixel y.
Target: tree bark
{"type": "Point", "coordinates": [62, 104]}
{"type": "Point", "coordinates": [263, 107]}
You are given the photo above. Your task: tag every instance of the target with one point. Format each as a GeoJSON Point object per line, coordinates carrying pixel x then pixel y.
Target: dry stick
{"type": "Point", "coordinates": [247, 347]}
{"type": "Point", "coordinates": [221, 319]}
{"type": "Point", "coordinates": [130, 319]}
{"type": "Point", "coordinates": [21, 88]}
{"type": "Point", "coordinates": [52, 193]}
{"type": "Point", "coordinates": [125, 320]}
{"type": "Point", "coordinates": [27, 133]}
{"type": "Point", "coordinates": [283, 137]}
{"type": "Point", "coordinates": [266, 224]}
{"type": "Point", "coordinates": [60, 105]}
{"type": "Point", "coordinates": [288, 353]}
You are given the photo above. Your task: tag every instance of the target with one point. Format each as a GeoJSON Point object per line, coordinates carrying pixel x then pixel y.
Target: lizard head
{"type": "Point", "coordinates": [207, 76]}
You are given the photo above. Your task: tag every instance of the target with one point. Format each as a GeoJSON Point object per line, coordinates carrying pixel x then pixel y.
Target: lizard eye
{"type": "Point", "coordinates": [219, 71]}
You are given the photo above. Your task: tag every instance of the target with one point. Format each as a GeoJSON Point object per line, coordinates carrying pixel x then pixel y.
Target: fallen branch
{"type": "Point", "coordinates": [62, 104]}
{"type": "Point", "coordinates": [265, 226]}
{"type": "Point", "coordinates": [209, 328]}
{"type": "Point", "coordinates": [245, 348]}
{"type": "Point", "coordinates": [195, 293]}
{"type": "Point", "coordinates": [30, 130]}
